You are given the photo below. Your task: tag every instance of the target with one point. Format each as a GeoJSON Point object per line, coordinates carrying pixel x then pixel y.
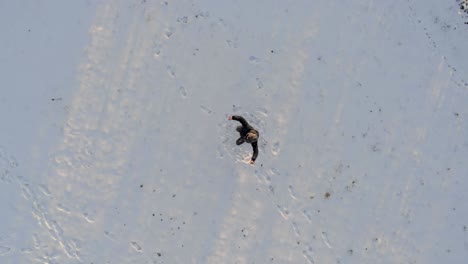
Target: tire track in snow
{"type": "Point", "coordinates": [285, 109]}
{"type": "Point", "coordinates": [114, 135]}
{"type": "Point", "coordinates": [312, 223]}
{"type": "Point", "coordinates": [242, 220]}
{"type": "Point", "coordinates": [284, 113]}
{"type": "Point", "coordinates": [98, 136]}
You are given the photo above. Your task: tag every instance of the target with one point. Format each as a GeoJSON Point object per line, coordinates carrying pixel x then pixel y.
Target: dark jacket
{"type": "Point", "coordinates": [245, 129]}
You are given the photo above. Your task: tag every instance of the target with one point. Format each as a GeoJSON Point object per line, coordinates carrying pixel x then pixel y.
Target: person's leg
{"type": "Point", "coordinates": [241, 130]}
{"type": "Point", "coordinates": [240, 140]}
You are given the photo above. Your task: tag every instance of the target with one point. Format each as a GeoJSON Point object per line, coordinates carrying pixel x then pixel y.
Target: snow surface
{"type": "Point", "coordinates": [116, 148]}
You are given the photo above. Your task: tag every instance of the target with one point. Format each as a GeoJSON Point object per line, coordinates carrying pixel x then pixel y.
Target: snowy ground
{"type": "Point", "coordinates": [116, 148]}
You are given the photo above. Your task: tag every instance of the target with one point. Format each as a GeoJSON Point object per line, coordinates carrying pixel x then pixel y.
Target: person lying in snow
{"type": "Point", "coordinates": [247, 134]}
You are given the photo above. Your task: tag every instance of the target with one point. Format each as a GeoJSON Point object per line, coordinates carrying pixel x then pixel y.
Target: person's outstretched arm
{"type": "Point", "coordinates": [240, 119]}
{"type": "Point", "coordinates": [255, 152]}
